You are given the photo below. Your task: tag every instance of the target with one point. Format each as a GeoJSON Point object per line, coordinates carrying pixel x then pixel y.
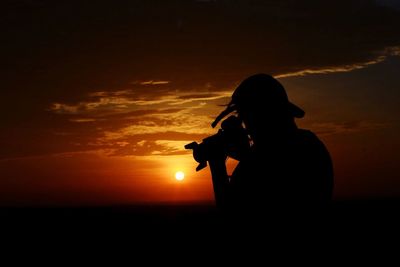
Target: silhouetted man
{"type": "Point", "coordinates": [281, 168]}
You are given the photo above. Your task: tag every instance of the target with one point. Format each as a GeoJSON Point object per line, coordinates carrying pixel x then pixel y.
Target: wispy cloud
{"type": "Point", "coordinates": [154, 82]}
{"type": "Point", "coordinates": [125, 101]}
{"type": "Point", "coordinates": [204, 96]}
{"type": "Point", "coordinates": [83, 120]}
{"type": "Point", "coordinates": [164, 144]}
{"type": "Point", "coordinates": [382, 55]}
{"type": "Point", "coordinates": [149, 148]}
{"type": "Point", "coordinates": [179, 122]}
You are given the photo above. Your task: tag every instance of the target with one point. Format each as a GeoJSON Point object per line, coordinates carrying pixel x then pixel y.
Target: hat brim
{"type": "Point", "coordinates": [296, 111]}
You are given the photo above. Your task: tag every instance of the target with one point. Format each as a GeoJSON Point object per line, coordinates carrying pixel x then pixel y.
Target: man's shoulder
{"type": "Point", "coordinates": [306, 132]}
{"type": "Point", "coordinates": [306, 135]}
{"type": "Point", "coordinates": [309, 138]}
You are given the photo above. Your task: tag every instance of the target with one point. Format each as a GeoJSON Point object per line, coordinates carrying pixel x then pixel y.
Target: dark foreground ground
{"type": "Point", "coordinates": [368, 213]}
{"type": "Point", "coordinates": [347, 223]}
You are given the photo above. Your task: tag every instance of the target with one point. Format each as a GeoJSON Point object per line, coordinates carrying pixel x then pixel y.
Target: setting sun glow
{"type": "Point", "coordinates": [179, 176]}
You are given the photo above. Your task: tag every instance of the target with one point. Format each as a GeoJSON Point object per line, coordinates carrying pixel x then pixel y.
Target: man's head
{"type": "Point", "coordinates": [261, 99]}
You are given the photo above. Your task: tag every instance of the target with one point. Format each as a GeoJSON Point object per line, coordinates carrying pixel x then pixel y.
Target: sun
{"type": "Point", "coordinates": [179, 176]}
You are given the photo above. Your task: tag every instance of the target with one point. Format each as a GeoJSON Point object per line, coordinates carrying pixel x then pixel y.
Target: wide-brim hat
{"type": "Point", "coordinates": [260, 89]}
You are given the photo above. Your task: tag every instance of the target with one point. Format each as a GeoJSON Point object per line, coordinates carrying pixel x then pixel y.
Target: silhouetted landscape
{"type": "Point", "coordinates": [374, 216]}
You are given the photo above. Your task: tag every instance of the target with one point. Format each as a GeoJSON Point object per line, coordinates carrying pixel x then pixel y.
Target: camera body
{"type": "Point", "coordinates": [231, 140]}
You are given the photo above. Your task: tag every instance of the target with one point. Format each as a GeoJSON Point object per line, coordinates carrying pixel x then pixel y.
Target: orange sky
{"type": "Point", "coordinates": [98, 100]}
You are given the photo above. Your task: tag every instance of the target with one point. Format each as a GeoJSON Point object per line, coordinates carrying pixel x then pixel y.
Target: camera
{"type": "Point", "coordinates": [230, 141]}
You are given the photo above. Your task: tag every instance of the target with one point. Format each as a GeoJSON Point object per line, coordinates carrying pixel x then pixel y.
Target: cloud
{"type": "Point", "coordinates": [160, 123]}
{"type": "Point", "coordinates": [126, 101]}
{"type": "Point", "coordinates": [204, 96]}
{"type": "Point", "coordinates": [154, 82]}
{"type": "Point", "coordinates": [83, 120]}
{"type": "Point", "coordinates": [162, 144]}
{"type": "Point", "coordinates": [187, 98]}
{"type": "Point", "coordinates": [380, 57]}
{"type": "Point", "coordinates": [148, 148]}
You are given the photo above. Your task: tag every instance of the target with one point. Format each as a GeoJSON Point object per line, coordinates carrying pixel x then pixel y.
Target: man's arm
{"type": "Point", "coordinates": [220, 181]}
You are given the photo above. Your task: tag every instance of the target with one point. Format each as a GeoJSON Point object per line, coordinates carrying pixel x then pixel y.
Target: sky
{"type": "Point", "coordinates": [99, 98]}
